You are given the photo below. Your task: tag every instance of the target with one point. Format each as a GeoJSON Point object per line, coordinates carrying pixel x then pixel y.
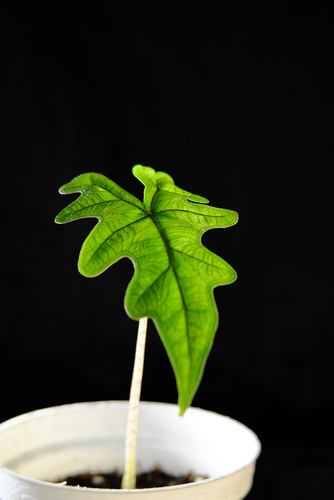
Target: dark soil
{"type": "Point", "coordinates": [153, 479]}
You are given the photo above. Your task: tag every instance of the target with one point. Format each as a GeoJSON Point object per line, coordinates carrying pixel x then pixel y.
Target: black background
{"type": "Point", "coordinates": [235, 101]}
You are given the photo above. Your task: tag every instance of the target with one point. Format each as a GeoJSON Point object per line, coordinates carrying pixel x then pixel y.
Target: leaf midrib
{"type": "Point", "coordinates": [172, 266]}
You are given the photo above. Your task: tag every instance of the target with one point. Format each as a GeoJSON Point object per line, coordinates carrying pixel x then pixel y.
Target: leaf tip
{"type": "Point", "coordinates": [62, 189]}
{"type": "Point", "coordinates": [183, 405]}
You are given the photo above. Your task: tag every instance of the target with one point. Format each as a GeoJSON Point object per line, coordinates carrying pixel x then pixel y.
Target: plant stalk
{"type": "Point", "coordinates": [129, 475]}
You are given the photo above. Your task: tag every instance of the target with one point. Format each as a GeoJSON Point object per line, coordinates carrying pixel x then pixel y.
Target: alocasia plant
{"type": "Point", "coordinates": [174, 273]}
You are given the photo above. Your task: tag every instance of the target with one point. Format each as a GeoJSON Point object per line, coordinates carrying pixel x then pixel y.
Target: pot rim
{"type": "Point", "coordinates": [80, 406]}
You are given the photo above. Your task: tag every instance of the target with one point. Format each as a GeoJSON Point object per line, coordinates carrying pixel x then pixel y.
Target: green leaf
{"type": "Point", "coordinates": [174, 273]}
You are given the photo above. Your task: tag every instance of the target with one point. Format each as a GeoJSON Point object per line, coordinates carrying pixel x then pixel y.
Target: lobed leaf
{"type": "Point", "coordinates": [174, 273]}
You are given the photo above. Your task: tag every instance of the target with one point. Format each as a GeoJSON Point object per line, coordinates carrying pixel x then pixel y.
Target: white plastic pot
{"type": "Point", "coordinates": [49, 444]}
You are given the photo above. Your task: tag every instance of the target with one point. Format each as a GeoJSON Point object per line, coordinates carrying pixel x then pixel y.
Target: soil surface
{"type": "Point", "coordinates": [153, 479]}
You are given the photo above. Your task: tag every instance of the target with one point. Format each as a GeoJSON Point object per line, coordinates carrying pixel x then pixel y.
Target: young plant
{"type": "Point", "coordinates": [174, 273]}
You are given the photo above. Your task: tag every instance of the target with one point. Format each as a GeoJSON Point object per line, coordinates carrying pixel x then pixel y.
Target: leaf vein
{"type": "Point", "coordinates": [196, 258]}
{"type": "Point", "coordinates": [117, 196]}
{"type": "Point", "coordinates": [190, 212]}
{"type": "Point", "coordinates": [93, 205]}
{"type": "Point", "coordinates": [172, 266]}
{"type": "Point", "coordinates": [112, 234]}
{"type": "Point", "coordinates": [152, 201]}
{"type": "Point", "coordinates": [154, 282]}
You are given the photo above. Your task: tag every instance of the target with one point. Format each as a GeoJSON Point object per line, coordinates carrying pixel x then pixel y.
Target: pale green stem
{"type": "Point", "coordinates": [129, 475]}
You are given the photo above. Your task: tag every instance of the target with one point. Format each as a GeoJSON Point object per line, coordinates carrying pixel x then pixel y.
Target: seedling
{"type": "Point", "coordinates": [174, 273]}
